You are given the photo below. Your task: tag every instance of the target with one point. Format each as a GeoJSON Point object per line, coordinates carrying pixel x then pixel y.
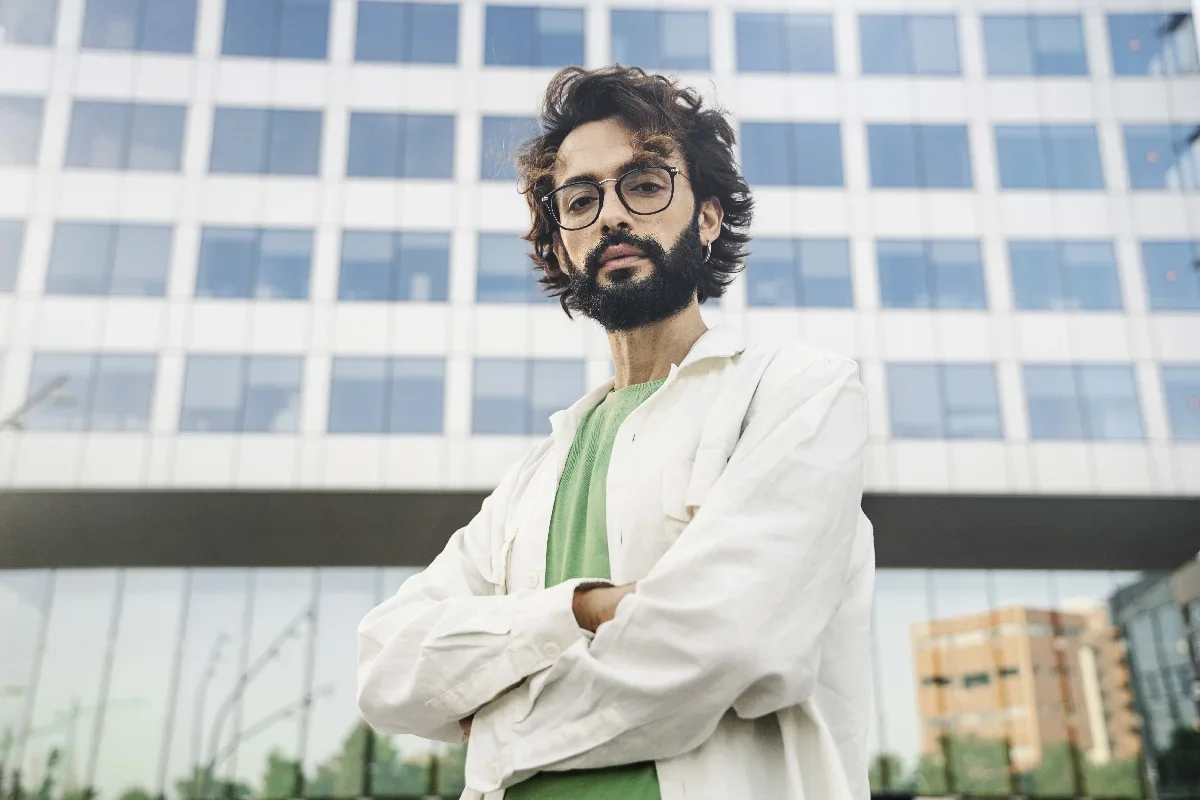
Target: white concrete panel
{"type": "Point", "coordinates": [1098, 336]}
{"type": "Point", "coordinates": [832, 329]}
{"type": "Point", "coordinates": [1082, 214]}
{"type": "Point", "coordinates": [116, 460]}
{"type": "Point", "coordinates": [360, 329]}
{"type": "Point", "coordinates": [279, 327]}
{"type": "Point", "coordinates": [907, 335]}
{"type": "Point", "coordinates": [877, 468]}
{"type": "Point", "coordinates": [1176, 337]}
{"type": "Point", "coordinates": [69, 323]}
{"type": "Point", "coordinates": [1061, 467]}
{"type": "Point", "coordinates": [265, 461]}
{"type": "Point", "coordinates": [204, 460]}
{"type": "Point", "coordinates": [1020, 468]}
{"type": "Point", "coordinates": [1026, 215]}
{"type": "Point", "coordinates": [1140, 100]}
{"type": "Point", "coordinates": [168, 393]}
{"type": "Point", "coordinates": [291, 202]}
{"type": "Point", "coordinates": [26, 70]}
{"type": "Point", "coordinates": [503, 330]}
{"type": "Point", "coordinates": [163, 79]}
{"type": "Point", "coordinates": [490, 456]}
{"type": "Point", "coordinates": [420, 328]}
{"type": "Point", "coordinates": [950, 215]}
{"type": "Point", "coordinates": [104, 75]}
{"type": "Point", "coordinates": [426, 204]}
{"type": "Point", "coordinates": [818, 213]}
{"type": "Point", "coordinates": [16, 200]}
{"type": "Point", "coordinates": [1010, 392]}
{"type": "Point", "coordinates": [552, 335]}
{"type": "Point", "coordinates": [1187, 468]}
{"type": "Point", "coordinates": [46, 459]}
{"type": "Point", "coordinates": [414, 462]}
{"type": "Point", "coordinates": [150, 197]}
{"type": "Point", "coordinates": [300, 84]}
{"type": "Point", "coordinates": [978, 466]}
{"type": "Point", "coordinates": [1158, 215]}
{"type": "Point", "coordinates": [920, 466]}
{"type": "Point", "coordinates": [87, 196]}
{"type": "Point", "coordinates": [160, 461]}
{"type": "Point", "coordinates": [370, 204]}
{"type": "Point", "coordinates": [897, 214]}
{"type": "Point", "coordinates": [234, 200]}
{"type": "Point", "coordinates": [133, 324]}
{"type": "Point", "coordinates": [244, 82]}
{"type": "Point", "coordinates": [220, 326]}
{"type": "Point", "coordinates": [1121, 469]}
{"type": "Point", "coordinates": [963, 336]}
{"type": "Point", "coordinates": [1042, 336]}
{"type": "Point", "coordinates": [767, 325]}
{"type": "Point", "coordinates": [1162, 469]}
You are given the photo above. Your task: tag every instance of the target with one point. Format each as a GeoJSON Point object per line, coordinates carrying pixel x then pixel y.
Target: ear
{"type": "Point", "coordinates": [556, 246]}
{"type": "Point", "coordinates": [710, 216]}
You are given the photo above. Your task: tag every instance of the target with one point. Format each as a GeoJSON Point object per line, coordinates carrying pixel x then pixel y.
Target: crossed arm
{"type": "Point", "coordinates": [730, 617]}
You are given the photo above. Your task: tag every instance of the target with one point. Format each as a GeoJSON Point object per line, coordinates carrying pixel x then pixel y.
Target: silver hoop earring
{"type": "Point", "coordinates": [707, 252]}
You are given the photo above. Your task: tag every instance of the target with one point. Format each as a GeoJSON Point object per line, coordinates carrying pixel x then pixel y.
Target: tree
{"type": "Point", "coordinates": [213, 788]}
{"type": "Point", "coordinates": [135, 793]}
{"type": "Point", "coordinates": [977, 766]}
{"type": "Point", "coordinates": [886, 773]}
{"type": "Point", "coordinates": [1115, 779]}
{"type": "Point", "coordinates": [1179, 764]}
{"type": "Point", "coordinates": [279, 779]}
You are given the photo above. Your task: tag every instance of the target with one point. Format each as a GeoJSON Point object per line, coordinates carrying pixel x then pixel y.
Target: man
{"type": "Point", "coordinates": [669, 598]}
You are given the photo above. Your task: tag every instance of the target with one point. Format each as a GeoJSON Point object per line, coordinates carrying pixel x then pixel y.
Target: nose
{"type": "Point", "coordinates": [613, 213]}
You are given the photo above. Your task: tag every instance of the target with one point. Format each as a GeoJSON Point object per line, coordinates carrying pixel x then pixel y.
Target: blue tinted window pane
{"type": "Point", "coordinates": [558, 37]}
{"type": "Point", "coordinates": [554, 385]}
{"type": "Point", "coordinates": [934, 43]}
{"type": "Point", "coordinates": [1021, 155]}
{"type": "Point", "coordinates": [428, 146]}
{"type": "Point", "coordinates": [500, 138]}
{"type": "Point", "coordinates": [1008, 45]}
{"type": "Point", "coordinates": [792, 153]}
{"type": "Point", "coordinates": [663, 40]}
{"type": "Point", "coordinates": [1058, 44]}
{"type": "Point", "coordinates": [771, 273]}
{"type": "Point", "coordinates": [944, 156]}
{"type": "Point", "coordinates": [240, 140]}
{"type": "Point", "coordinates": [358, 395]}
{"type": "Point", "coordinates": [1181, 385]}
{"type": "Point", "coordinates": [425, 33]}
{"type": "Point", "coordinates": [1110, 403]}
{"type": "Point", "coordinates": [1074, 156]}
{"type": "Point", "coordinates": [123, 392]}
{"type": "Point", "coordinates": [285, 259]}
{"type": "Point", "coordinates": [294, 146]}
{"type": "Point", "coordinates": [12, 237]}
{"type": "Point", "coordinates": [893, 155]}
{"type": "Point", "coordinates": [272, 402]}
{"type": "Point", "coordinates": [915, 401]}
{"type": "Point", "coordinates": [904, 275]}
{"type": "Point", "coordinates": [80, 259]}
{"type": "Point", "coordinates": [168, 26]}
{"type": "Point", "coordinates": [29, 21]}
{"type": "Point", "coordinates": [304, 29]}
{"type": "Point", "coordinates": [228, 262]}
{"type": "Point", "coordinates": [366, 272]}
{"type": "Point", "coordinates": [213, 394]}
{"type": "Point", "coordinates": [1152, 44]}
{"type": "Point", "coordinates": [1053, 401]}
{"type": "Point", "coordinates": [67, 382]}
{"type": "Point", "coordinates": [1162, 156]}
{"type": "Point", "coordinates": [765, 150]}
{"type": "Point", "coordinates": [1037, 275]}
{"type": "Point", "coordinates": [156, 138]}
{"type": "Point", "coordinates": [374, 150]}
{"type": "Point", "coordinates": [421, 267]}
{"type": "Point", "coordinates": [956, 275]}
{"type": "Point", "coordinates": [785, 42]}
{"type": "Point", "coordinates": [1172, 275]}
{"type": "Point", "coordinates": [112, 24]}
{"type": "Point", "coordinates": [972, 410]}
{"type": "Point", "coordinates": [141, 260]}
{"type": "Point", "coordinates": [884, 44]}
{"type": "Point", "coordinates": [509, 39]}
{"type": "Point", "coordinates": [20, 130]}
{"type": "Point", "coordinates": [417, 395]}
{"type": "Point", "coordinates": [505, 273]}
{"type": "Point", "coordinates": [1090, 276]}
{"type": "Point", "coordinates": [825, 273]}
{"type": "Point", "coordinates": [99, 135]}
{"type": "Point", "coordinates": [501, 397]}
{"type": "Point", "coordinates": [251, 28]}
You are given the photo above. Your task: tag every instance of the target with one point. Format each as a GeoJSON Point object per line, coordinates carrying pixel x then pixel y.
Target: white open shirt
{"type": "Point", "coordinates": [741, 665]}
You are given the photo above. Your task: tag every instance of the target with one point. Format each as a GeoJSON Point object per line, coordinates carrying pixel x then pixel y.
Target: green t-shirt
{"type": "Point", "coordinates": [578, 548]}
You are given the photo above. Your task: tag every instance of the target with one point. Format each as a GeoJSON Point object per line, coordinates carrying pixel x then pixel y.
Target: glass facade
{"type": "Point", "coordinates": [152, 26]}
{"type": "Point", "coordinates": [395, 266]}
{"type": "Point", "coordinates": [241, 394]}
{"type": "Point", "coordinates": [505, 271]}
{"type": "Point", "coordinates": [265, 264]}
{"type": "Point", "coordinates": [92, 391]}
{"type": "Point", "coordinates": [943, 401]}
{"type": "Point", "coordinates": [1049, 157]}
{"type": "Point", "coordinates": [109, 259]}
{"type": "Point", "coordinates": [1153, 44]}
{"type": "Point", "coordinates": [20, 130]}
{"type": "Point", "coordinates": [500, 137]}
{"type": "Point", "coordinates": [12, 240]}
{"type": "Point", "coordinates": [266, 141]}
{"type": "Point", "coordinates": [908, 44]}
{"type": "Point", "coordinates": [533, 36]}
{"type": "Point", "coordinates": [944, 274]}
{"type": "Point", "coordinates": [29, 22]}
{"type": "Point", "coordinates": [1172, 272]}
{"type": "Point", "coordinates": [1181, 385]}
{"type": "Point", "coordinates": [387, 395]}
{"type": "Point", "coordinates": [407, 33]}
{"type": "Point", "coordinates": [1064, 275]}
{"type": "Point", "coordinates": [517, 397]}
{"type": "Point", "coordinates": [919, 156]}
{"type": "Point", "coordinates": [784, 42]}
{"type": "Point", "coordinates": [1162, 156]}
{"type": "Point", "coordinates": [1093, 402]}
{"type": "Point", "coordinates": [799, 272]}
{"type": "Point", "coordinates": [661, 40]}
{"type": "Point", "coordinates": [1034, 44]}
{"type": "Point", "coordinates": [276, 28]}
{"type": "Point", "coordinates": [400, 145]}
{"type": "Point", "coordinates": [792, 153]}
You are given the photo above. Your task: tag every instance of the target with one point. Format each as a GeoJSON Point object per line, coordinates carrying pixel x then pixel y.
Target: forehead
{"type": "Point", "coordinates": [597, 148]}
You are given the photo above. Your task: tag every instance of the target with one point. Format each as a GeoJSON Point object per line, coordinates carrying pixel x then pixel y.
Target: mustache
{"type": "Point", "coordinates": [649, 247]}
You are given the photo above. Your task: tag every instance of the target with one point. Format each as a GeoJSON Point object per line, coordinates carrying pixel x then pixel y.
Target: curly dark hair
{"type": "Point", "coordinates": [665, 118]}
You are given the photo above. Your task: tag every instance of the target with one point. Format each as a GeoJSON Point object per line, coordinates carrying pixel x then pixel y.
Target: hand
{"type": "Point", "coordinates": [597, 605]}
{"type": "Point", "coordinates": [465, 724]}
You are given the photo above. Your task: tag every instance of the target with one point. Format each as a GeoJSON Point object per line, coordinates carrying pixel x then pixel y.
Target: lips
{"type": "Point", "coordinates": [620, 256]}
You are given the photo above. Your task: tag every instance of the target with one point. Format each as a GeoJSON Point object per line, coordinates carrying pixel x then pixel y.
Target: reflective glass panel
{"type": "Point", "coordinates": [784, 42]}
{"type": "Point", "coordinates": [20, 130]}
{"type": "Point", "coordinates": [1172, 272]}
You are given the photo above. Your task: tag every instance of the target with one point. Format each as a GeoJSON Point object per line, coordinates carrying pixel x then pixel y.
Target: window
{"type": "Point", "coordinates": [265, 264]}
{"type": "Point", "coordinates": [919, 156]}
{"type": "Point", "coordinates": [28, 21]}
{"type": "Point", "coordinates": [91, 392]}
{"type": "Point", "coordinates": [158, 26]}
{"type": "Point", "coordinates": [501, 136]}
{"type": "Point", "coordinates": [276, 28]}
{"type": "Point", "coordinates": [792, 153]}
{"type": "Point", "coordinates": [1064, 275]}
{"type": "Point", "coordinates": [109, 259]}
{"type": "Point", "coordinates": [517, 397]}
{"type": "Point", "coordinates": [935, 680]}
{"type": "Point", "coordinates": [943, 401]}
{"type": "Point", "coordinates": [1172, 275]}
{"type": "Point", "coordinates": [20, 130]}
{"type": "Point", "coordinates": [1076, 402]}
{"type": "Point", "coordinates": [660, 40]}
{"type": "Point", "coordinates": [387, 395]}
{"type": "Point", "coordinates": [126, 136]}
{"type": "Point", "coordinates": [1048, 157]}
{"type": "Point", "coordinates": [930, 274]}
{"type": "Point", "coordinates": [1009, 672]}
{"type": "Point", "coordinates": [505, 272]}
{"type": "Point", "coordinates": [12, 237]}
{"type": "Point", "coordinates": [266, 141]}
{"type": "Point", "coordinates": [241, 394]}
{"type": "Point", "coordinates": [1034, 44]}
{"type": "Point", "coordinates": [400, 145]}
{"type": "Point", "coordinates": [1162, 156]}
{"type": "Point", "coordinates": [973, 679]}
{"type": "Point", "coordinates": [908, 44]}
{"type": "Point", "coordinates": [768, 42]}
{"type": "Point", "coordinates": [527, 36]}
{"type": "Point", "coordinates": [1153, 44]}
{"type": "Point", "coordinates": [407, 33]}
{"type": "Point", "coordinates": [1181, 385]}
{"type": "Point", "coordinates": [394, 266]}
{"type": "Point", "coordinates": [799, 272]}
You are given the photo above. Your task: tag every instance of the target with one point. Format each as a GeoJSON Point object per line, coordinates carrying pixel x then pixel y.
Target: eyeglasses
{"type": "Point", "coordinates": [644, 190]}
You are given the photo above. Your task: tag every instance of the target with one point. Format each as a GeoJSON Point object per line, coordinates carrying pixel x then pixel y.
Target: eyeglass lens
{"type": "Point", "coordinates": [643, 191]}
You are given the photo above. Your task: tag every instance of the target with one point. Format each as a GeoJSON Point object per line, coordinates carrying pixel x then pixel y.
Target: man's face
{"type": "Point", "coordinates": [630, 270]}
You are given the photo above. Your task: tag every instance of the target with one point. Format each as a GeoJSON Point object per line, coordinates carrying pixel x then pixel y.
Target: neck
{"type": "Point", "coordinates": [647, 354]}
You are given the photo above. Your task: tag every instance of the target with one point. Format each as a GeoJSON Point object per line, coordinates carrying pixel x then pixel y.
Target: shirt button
{"type": "Point", "coordinates": [533, 580]}
{"type": "Point", "coordinates": [551, 650]}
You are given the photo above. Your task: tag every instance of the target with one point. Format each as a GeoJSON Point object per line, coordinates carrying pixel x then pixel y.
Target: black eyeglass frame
{"type": "Point", "coordinates": [548, 203]}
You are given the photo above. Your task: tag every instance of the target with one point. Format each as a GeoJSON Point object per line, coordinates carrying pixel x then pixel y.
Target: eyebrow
{"type": "Point", "coordinates": [638, 161]}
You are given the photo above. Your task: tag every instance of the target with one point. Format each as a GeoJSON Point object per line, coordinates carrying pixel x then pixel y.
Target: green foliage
{"type": "Point", "coordinates": [886, 773]}
{"type": "Point", "coordinates": [1179, 764]}
{"type": "Point", "coordinates": [202, 785]}
{"type": "Point", "coordinates": [279, 779]}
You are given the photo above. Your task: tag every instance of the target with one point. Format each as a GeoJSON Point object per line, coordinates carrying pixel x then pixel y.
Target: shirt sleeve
{"type": "Point", "coordinates": [445, 644]}
{"type": "Point", "coordinates": [730, 617]}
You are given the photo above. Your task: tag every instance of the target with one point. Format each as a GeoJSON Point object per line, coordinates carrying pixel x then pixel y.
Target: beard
{"type": "Point", "coordinates": [625, 303]}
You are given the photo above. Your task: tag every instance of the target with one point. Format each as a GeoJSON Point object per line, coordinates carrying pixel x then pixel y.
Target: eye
{"type": "Point", "coordinates": [580, 203]}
